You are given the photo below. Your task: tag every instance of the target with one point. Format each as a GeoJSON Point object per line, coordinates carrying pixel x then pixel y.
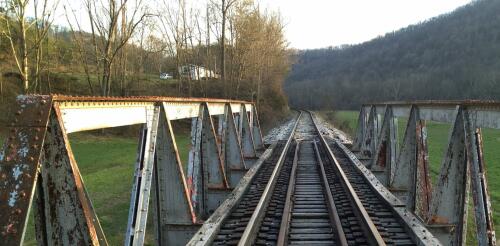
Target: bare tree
{"type": "Point", "coordinates": [176, 29]}
{"type": "Point", "coordinates": [224, 7]}
{"type": "Point", "coordinates": [16, 31]}
{"type": "Point", "coordinates": [109, 36]}
{"type": "Point", "coordinates": [44, 20]}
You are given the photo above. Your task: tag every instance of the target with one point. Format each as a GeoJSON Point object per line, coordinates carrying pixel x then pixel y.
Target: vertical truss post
{"type": "Point", "coordinates": [56, 199]}
{"type": "Point", "coordinates": [361, 130]}
{"type": "Point", "coordinates": [139, 202]}
{"type": "Point", "coordinates": [449, 199]}
{"type": "Point", "coordinates": [175, 220]}
{"type": "Point", "coordinates": [221, 121]}
{"type": "Point", "coordinates": [234, 162]}
{"type": "Point", "coordinates": [212, 165]}
{"type": "Point", "coordinates": [247, 141]}
{"type": "Point", "coordinates": [237, 122]}
{"type": "Point", "coordinates": [208, 177]}
{"type": "Point", "coordinates": [485, 231]}
{"type": "Point", "coordinates": [211, 158]}
{"type": "Point", "coordinates": [256, 131]}
{"type": "Point", "coordinates": [384, 161]}
{"type": "Point", "coordinates": [19, 164]}
{"type": "Point", "coordinates": [194, 178]}
{"type": "Point", "coordinates": [370, 137]}
{"type": "Point", "coordinates": [411, 173]}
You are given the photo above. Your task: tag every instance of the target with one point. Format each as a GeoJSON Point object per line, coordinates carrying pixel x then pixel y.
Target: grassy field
{"type": "Point", "coordinates": [437, 142]}
{"type": "Point", "coordinates": [107, 166]}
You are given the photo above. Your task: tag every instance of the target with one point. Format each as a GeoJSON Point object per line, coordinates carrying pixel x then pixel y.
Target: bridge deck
{"type": "Point", "coordinates": [309, 192]}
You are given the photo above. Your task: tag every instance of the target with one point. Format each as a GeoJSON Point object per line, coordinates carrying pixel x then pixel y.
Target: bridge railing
{"type": "Point", "coordinates": [404, 167]}
{"type": "Point", "coordinates": [37, 165]}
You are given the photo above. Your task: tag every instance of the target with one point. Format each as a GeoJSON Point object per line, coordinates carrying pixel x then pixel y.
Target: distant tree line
{"type": "Point", "coordinates": [452, 56]}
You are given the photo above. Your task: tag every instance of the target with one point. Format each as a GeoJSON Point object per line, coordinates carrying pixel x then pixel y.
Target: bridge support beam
{"type": "Point", "coordinates": [463, 163]}
{"type": "Point", "coordinates": [360, 130]}
{"type": "Point", "coordinates": [384, 161]}
{"type": "Point", "coordinates": [209, 184]}
{"type": "Point", "coordinates": [369, 140]}
{"type": "Point", "coordinates": [173, 210]}
{"type": "Point", "coordinates": [246, 134]}
{"type": "Point", "coordinates": [256, 131]}
{"type": "Point", "coordinates": [143, 177]}
{"type": "Point", "coordinates": [411, 173]}
{"type": "Point", "coordinates": [462, 174]}
{"type": "Point", "coordinates": [37, 166]}
{"type": "Point", "coordinates": [234, 161]}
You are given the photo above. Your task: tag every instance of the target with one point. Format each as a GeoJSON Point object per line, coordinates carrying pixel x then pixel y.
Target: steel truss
{"type": "Point", "coordinates": [405, 170]}
{"type": "Point", "coordinates": [37, 165]}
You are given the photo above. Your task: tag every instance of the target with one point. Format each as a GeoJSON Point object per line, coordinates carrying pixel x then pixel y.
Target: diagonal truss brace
{"type": "Point", "coordinates": [384, 161]}
{"type": "Point", "coordinates": [37, 165]}
{"type": "Point", "coordinates": [411, 171]}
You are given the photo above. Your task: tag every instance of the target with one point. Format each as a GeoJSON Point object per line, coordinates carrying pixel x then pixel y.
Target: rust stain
{"type": "Point", "coordinates": [424, 185]}
{"type": "Point", "coordinates": [382, 154]}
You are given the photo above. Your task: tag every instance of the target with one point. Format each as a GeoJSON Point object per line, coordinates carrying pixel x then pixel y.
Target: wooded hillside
{"type": "Point", "coordinates": [453, 56]}
{"type": "Point", "coordinates": [120, 48]}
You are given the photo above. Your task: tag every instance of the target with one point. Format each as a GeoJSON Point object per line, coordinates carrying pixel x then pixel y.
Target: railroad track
{"type": "Point", "coordinates": [310, 193]}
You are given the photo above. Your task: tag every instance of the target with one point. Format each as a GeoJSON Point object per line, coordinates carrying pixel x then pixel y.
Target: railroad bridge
{"type": "Point", "coordinates": [306, 189]}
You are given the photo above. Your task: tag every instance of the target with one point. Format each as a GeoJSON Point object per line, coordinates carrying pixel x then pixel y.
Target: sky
{"type": "Point", "coordinates": [313, 24]}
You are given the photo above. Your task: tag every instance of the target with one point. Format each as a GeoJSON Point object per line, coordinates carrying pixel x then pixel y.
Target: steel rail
{"type": "Point", "coordinates": [369, 227]}
{"type": "Point", "coordinates": [285, 221]}
{"type": "Point", "coordinates": [334, 216]}
{"type": "Point", "coordinates": [253, 225]}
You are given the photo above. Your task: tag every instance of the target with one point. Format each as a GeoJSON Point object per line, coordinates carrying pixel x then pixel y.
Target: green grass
{"type": "Point", "coordinates": [107, 166]}
{"type": "Point", "coordinates": [437, 137]}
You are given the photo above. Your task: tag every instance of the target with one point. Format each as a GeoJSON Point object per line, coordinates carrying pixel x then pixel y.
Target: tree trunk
{"type": "Point", "coordinates": [24, 53]}
{"type": "Point", "coordinates": [223, 48]}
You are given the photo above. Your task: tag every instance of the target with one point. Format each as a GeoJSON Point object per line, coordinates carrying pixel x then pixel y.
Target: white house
{"type": "Point", "coordinates": [195, 72]}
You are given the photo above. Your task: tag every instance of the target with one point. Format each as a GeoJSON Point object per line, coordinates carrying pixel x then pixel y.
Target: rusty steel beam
{"type": "Point", "coordinates": [444, 207]}
{"type": "Point", "coordinates": [37, 162]}
{"type": "Point", "coordinates": [384, 161]}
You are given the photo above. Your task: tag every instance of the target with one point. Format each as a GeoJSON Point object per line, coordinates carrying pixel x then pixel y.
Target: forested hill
{"type": "Point", "coordinates": [452, 56]}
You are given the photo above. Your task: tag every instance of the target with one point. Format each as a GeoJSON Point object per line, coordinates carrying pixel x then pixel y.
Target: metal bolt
{"type": "Point", "coordinates": [18, 211]}
{"type": "Point", "coordinates": [18, 112]}
{"type": "Point", "coordinates": [22, 194]}
{"type": "Point", "coordinates": [31, 158]}
{"type": "Point", "coordinates": [43, 102]}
